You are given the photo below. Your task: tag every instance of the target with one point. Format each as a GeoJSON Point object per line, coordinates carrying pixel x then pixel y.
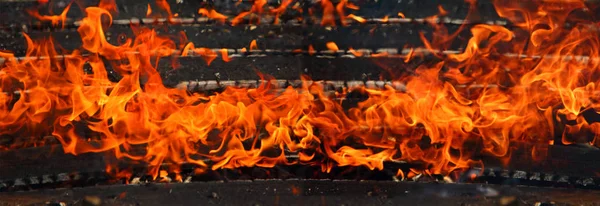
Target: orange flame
{"type": "Point", "coordinates": [54, 19]}
{"type": "Point", "coordinates": [357, 18]}
{"type": "Point", "coordinates": [280, 10]}
{"type": "Point", "coordinates": [207, 54]}
{"type": "Point", "coordinates": [340, 8]}
{"type": "Point", "coordinates": [401, 15]}
{"type": "Point", "coordinates": [213, 14]}
{"type": "Point", "coordinates": [164, 5]}
{"type": "Point", "coordinates": [311, 50]}
{"type": "Point", "coordinates": [332, 46]}
{"type": "Point", "coordinates": [257, 9]}
{"type": "Point", "coordinates": [328, 15]}
{"type": "Point", "coordinates": [481, 96]}
{"type": "Point", "coordinates": [442, 11]}
{"type": "Point", "coordinates": [149, 11]}
{"type": "Point", "coordinates": [385, 19]}
{"type": "Point", "coordinates": [253, 45]}
{"type": "Point", "coordinates": [409, 56]}
{"type": "Point", "coordinates": [225, 55]}
{"type": "Point", "coordinates": [109, 5]}
{"type": "Point", "coordinates": [355, 53]}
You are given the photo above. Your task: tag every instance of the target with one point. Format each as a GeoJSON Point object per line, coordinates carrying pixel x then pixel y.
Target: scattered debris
{"type": "Point", "coordinates": [135, 181]}
{"type": "Point", "coordinates": [188, 179]}
{"type": "Point", "coordinates": [122, 195]}
{"type": "Point", "coordinates": [56, 204]}
{"type": "Point", "coordinates": [214, 195]}
{"type": "Point", "coordinates": [488, 191]}
{"type": "Point", "coordinates": [507, 200]}
{"type": "Point", "coordinates": [92, 200]}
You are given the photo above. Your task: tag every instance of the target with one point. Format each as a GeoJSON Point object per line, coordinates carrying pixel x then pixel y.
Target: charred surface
{"type": "Point", "coordinates": [267, 36]}
{"type": "Point", "coordinates": [48, 167]}
{"type": "Point", "coordinates": [286, 68]}
{"type": "Point", "coordinates": [13, 11]}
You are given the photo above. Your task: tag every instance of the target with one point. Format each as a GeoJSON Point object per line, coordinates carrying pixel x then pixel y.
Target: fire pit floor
{"type": "Point", "coordinates": [303, 192]}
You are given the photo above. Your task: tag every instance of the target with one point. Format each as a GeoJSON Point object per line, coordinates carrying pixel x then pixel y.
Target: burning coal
{"type": "Point", "coordinates": [474, 102]}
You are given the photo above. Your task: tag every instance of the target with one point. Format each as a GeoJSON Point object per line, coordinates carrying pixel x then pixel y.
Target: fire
{"type": "Point", "coordinates": [213, 14]}
{"type": "Point", "coordinates": [149, 10]}
{"type": "Point", "coordinates": [357, 18]}
{"type": "Point", "coordinates": [280, 10]}
{"type": "Point", "coordinates": [54, 19]}
{"type": "Point", "coordinates": [332, 46]}
{"type": "Point", "coordinates": [385, 19]}
{"type": "Point", "coordinates": [311, 50]}
{"type": "Point", "coordinates": [207, 54]}
{"type": "Point", "coordinates": [253, 45]}
{"type": "Point", "coordinates": [442, 11]}
{"type": "Point", "coordinates": [355, 53]}
{"type": "Point", "coordinates": [225, 55]}
{"type": "Point", "coordinates": [109, 5]}
{"type": "Point", "coordinates": [257, 9]}
{"type": "Point", "coordinates": [480, 100]}
{"type": "Point", "coordinates": [329, 15]}
{"type": "Point", "coordinates": [164, 5]}
{"type": "Point", "coordinates": [401, 15]}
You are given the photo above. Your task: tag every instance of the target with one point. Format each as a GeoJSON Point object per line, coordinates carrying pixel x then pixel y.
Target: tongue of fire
{"type": "Point", "coordinates": [511, 98]}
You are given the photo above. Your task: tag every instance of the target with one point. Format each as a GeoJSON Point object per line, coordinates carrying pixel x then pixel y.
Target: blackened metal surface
{"type": "Point", "coordinates": [47, 160]}
{"type": "Point", "coordinates": [44, 167]}
{"type": "Point", "coordinates": [267, 36]}
{"type": "Point", "coordinates": [285, 67]}
{"type": "Point", "coordinates": [12, 12]}
{"type": "Point", "coordinates": [303, 192]}
{"type": "Point", "coordinates": [571, 160]}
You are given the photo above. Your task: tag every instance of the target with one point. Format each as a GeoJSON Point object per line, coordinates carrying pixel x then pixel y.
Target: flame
{"type": "Point", "coordinates": [477, 101]}
{"type": "Point", "coordinates": [442, 11]}
{"type": "Point", "coordinates": [401, 15]}
{"type": "Point", "coordinates": [257, 9]}
{"type": "Point", "coordinates": [109, 5]}
{"type": "Point", "coordinates": [280, 10]}
{"type": "Point", "coordinates": [54, 19]}
{"type": "Point", "coordinates": [225, 55]}
{"type": "Point", "coordinates": [253, 45]}
{"type": "Point", "coordinates": [149, 11]}
{"type": "Point", "coordinates": [340, 8]}
{"type": "Point", "coordinates": [382, 54]}
{"type": "Point", "coordinates": [311, 50]}
{"type": "Point", "coordinates": [207, 54]}
{"type": "Point", "coordinates": [357, 18]}
{"type": "Point", "coordinates": [355, 53]}
{"type": "Point", "coordinates": [328, 15]}
{"type": "Point", "coordinates": [328, 18]}
{"type": "Point", "coordinates": [385, 19]}
{"type": "Point", "coordinates": [409, 56]}
{"type": "Point", "coordinates": [213, 14]}
{"type": "Point", "coordinates": [164, 5]}
{"type": "Point", "coordinates": [332, 46]}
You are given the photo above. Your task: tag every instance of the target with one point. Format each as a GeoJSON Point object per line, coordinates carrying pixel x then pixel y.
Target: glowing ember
{"type": "Point", "coordinates": [432, 121]}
